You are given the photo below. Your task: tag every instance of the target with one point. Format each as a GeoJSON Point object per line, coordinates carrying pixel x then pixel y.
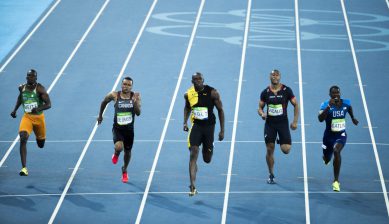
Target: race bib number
{"type": "Point", "coordinates": [28, 106]}
{"type": "Point", "coordinates": [338, 125]}
{"type": "Point", "coordinates": [275, 110]}
{"type": "Point", "coordinates": [124, 118]}
{"type": "Point", "coordinates": [200, 113]}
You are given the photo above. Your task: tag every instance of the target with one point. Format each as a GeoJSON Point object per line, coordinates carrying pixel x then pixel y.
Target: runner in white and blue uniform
{"type": "Point", "coordinates": [333, 112]}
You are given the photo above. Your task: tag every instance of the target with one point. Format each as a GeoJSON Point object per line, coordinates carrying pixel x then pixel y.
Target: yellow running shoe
{"type": "Point", "coordinates": [336, 186]}
{"type": "Point", "coordinates": [23, 172]}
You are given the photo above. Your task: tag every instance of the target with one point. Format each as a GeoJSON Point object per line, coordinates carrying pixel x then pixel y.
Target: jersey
{"type": "Point", "coordinates": [124, 113]}
{"type": "Point", "coordinates": [202, 106]}
{"type": "Point", "coordinates": [30, 100]}
{"type": "Point", "coordinates": [336, 117]}
{"type": "Point", "coordinates": [277, 104]}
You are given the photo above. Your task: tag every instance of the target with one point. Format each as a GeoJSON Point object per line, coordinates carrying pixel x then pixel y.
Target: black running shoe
{"type": "Point", "coordinates": [271, 179]}
{"type": "Point", "coordinates": [192, 191]}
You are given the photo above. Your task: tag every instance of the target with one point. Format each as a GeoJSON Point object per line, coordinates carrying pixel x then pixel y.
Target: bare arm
{"type": "Point", "coordinates": [350, 111]}
{"type": "Point", "coordinates": [18, 102]}
{"type": "Point", "coordinates": [137, 103]}
{"type": "Point", "coordinates": [219, 106]}
{"type": "Point", "coordinates": [186, 112]}
{"type": "Point", "coordinates": [323, 113]}
{"type": "Point", "coordinates": [108, 98]}
{"type": "Point", "coordinates": [45, 98]}
{"type": "Point", "coordinates": [261, 113]}
{"type": "Point", "coordinates": [294, 102]}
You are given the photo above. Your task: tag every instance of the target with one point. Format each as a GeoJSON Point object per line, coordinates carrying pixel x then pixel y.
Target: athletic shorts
{"type": "Point", "coordinates": [124, 135]}
{"type": "Point", "coordinates": [329, 140]}
{"type": "Point", "coordinates": [281, 128]}
{"type": "Point", "coordinates": [201, 134]}
{"type": "Point", "coordinates": [34, 122]}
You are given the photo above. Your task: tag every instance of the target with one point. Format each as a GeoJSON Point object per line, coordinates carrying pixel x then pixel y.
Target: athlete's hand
{"type": "Point", "coordinates": [186, 127]}
{"type": "Point", "coordinates": [293, 125]}
{"type": "Point", "coordinates": [262, 115]}
{"type": "Point", "coordinates": [35, 110]}
{"type": "Point", "coordinates": [136, 97]}
{"type": "Point", "coordinates": [13, 114]}
{"type": "Point", "coordinates": [221, 135]}
{"type": "Point", "coordinates": [99, 120]}
{"type": "Point", "coordinates": [355, 121]}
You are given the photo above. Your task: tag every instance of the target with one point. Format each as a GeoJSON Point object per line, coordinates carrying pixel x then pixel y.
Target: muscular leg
{"type": "Point", "coordinates": [194, 153]}
{"type": "Point", "coordinates": [23, 147]}
{"type": "Point", "coordinates": [118, 147]}
{"type": "Point", "coordinates": [126, 158]}
{"type": "Point", "coordinates": [285, 148]}
{"type": "Point", "coordinates": [40, 142]}
{"type": "Point", "coordinates": [270, 157]}
{"type": "Point", "coordinates": [337, 160]}
{"type": "Point", "coordinates": [207, 154]}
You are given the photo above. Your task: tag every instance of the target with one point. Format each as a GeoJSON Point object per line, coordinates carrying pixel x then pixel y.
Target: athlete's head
{"type": "Point", "coordinates": [127, 84]}
{"type": "Point", "coordinates": [335, 93]}
{"type": "Point", "coordinates": [198, 81]}
{"type": "Point", "coordinates": [31, 77]}
{"type": "Point", "coordinates": [275, 77]}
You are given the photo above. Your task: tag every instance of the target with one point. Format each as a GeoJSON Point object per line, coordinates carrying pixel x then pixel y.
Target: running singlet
{"type": "Point", "coordinates": [124, 113]}
{"type": "Point", "coordinates": [30, 100]}
{"type": "Point", "coordinates": [202, 105]}
{"type": "Point", "coordinates": [336, 117]}
{"type": "Point", "coordinates": [277, 103]}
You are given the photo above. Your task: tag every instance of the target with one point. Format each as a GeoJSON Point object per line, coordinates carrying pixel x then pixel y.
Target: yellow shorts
{"type": "Point", "coordinates": [33, 122]}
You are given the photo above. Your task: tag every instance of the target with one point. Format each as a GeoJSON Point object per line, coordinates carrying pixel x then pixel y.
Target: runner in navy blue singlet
{"type": "Point", "coordinates": [333, 112]}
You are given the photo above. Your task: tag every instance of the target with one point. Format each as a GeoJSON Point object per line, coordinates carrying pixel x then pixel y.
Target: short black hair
{"type": "Point", "coordinates": [128, 78]}
{"type": "Point", "coordinates": [32, 72]}
{"type": "Point", "coordinates": [334, 87]}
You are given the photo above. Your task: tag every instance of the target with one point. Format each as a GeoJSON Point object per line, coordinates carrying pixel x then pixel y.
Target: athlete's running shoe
{"type": "Point", "coordinates": [336, 186]}
{"type": "Point", "coordinates": [271, 179]}
{"type": "Point", "coordinates": [124, 177]}
{"type": "Point", "coordinates": [23, 172]}
{"type": "Point", "coordinates": [192, 191]}
{"type": "Point", "coordinates": [115, 158]}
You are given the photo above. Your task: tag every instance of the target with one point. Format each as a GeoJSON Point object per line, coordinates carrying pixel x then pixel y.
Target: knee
{"type": "Point", "coordinates": [23, 137]}
{"type": "Point", "coordinates": [285, 148]}
{"type": "Point", "coordinates": [118, 146]}
{"type": "Point", "coordinates": [194, 151]}
{"type": "Point", "coordinates": [40, 143]}
{"type": "Point", "coordinates": [270, 149]}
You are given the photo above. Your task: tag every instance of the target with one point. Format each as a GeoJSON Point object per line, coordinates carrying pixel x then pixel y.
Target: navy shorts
{"type": "Point", "coordinates": [329, 141]}
{"type": "Point", "coordinates": [124, 135]}
{"type": "Point", "coordinates": [281, 128]}
{"type": "Point", "coordinates": [202, 135]}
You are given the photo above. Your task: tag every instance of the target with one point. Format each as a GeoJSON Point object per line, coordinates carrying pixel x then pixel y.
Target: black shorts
{"type": "Point", "coordinates": [280, 128]}
{"type": "Point", "coordinates": [126, 136]}
{"type": "Point", "coordinates": [202, 134]}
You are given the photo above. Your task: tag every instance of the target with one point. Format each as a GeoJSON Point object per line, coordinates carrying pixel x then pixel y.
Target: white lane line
{"type": "Point", "coordinates": [186, 193]}
{"type": "Point", "coordinates": [144, 198]}
{"type": "Point", "coordinates": [387, 3]}
{"type": "Point", "coordinates": [54, 214]}
{"type": "Point", "coordinates": [377, 158]}
{"type": "Point", "coordinates": [236, 115]}
{"type": "Point", "coordinates": [29, 36]}
{"type": "Point", "coordinates": [179, 141]}
{"type": "Point", "coordinates": [303, 145]}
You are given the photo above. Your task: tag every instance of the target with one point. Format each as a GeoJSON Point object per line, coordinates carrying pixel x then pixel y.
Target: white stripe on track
{"type": "Point", "coordinates": [29, 36]}
{"type": "Point", "coordinates": [150, 179]}
{"type": "Point", "coordinates": [377, 158]}
{"type": "Point", "coordinates": [236, 115]}
{"type": "Point", "coordinates": [304, 151]}
{"type": "Point", "coordinates": [54, 214]}
{"type": "Point", "coordinates": [387, 3]}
